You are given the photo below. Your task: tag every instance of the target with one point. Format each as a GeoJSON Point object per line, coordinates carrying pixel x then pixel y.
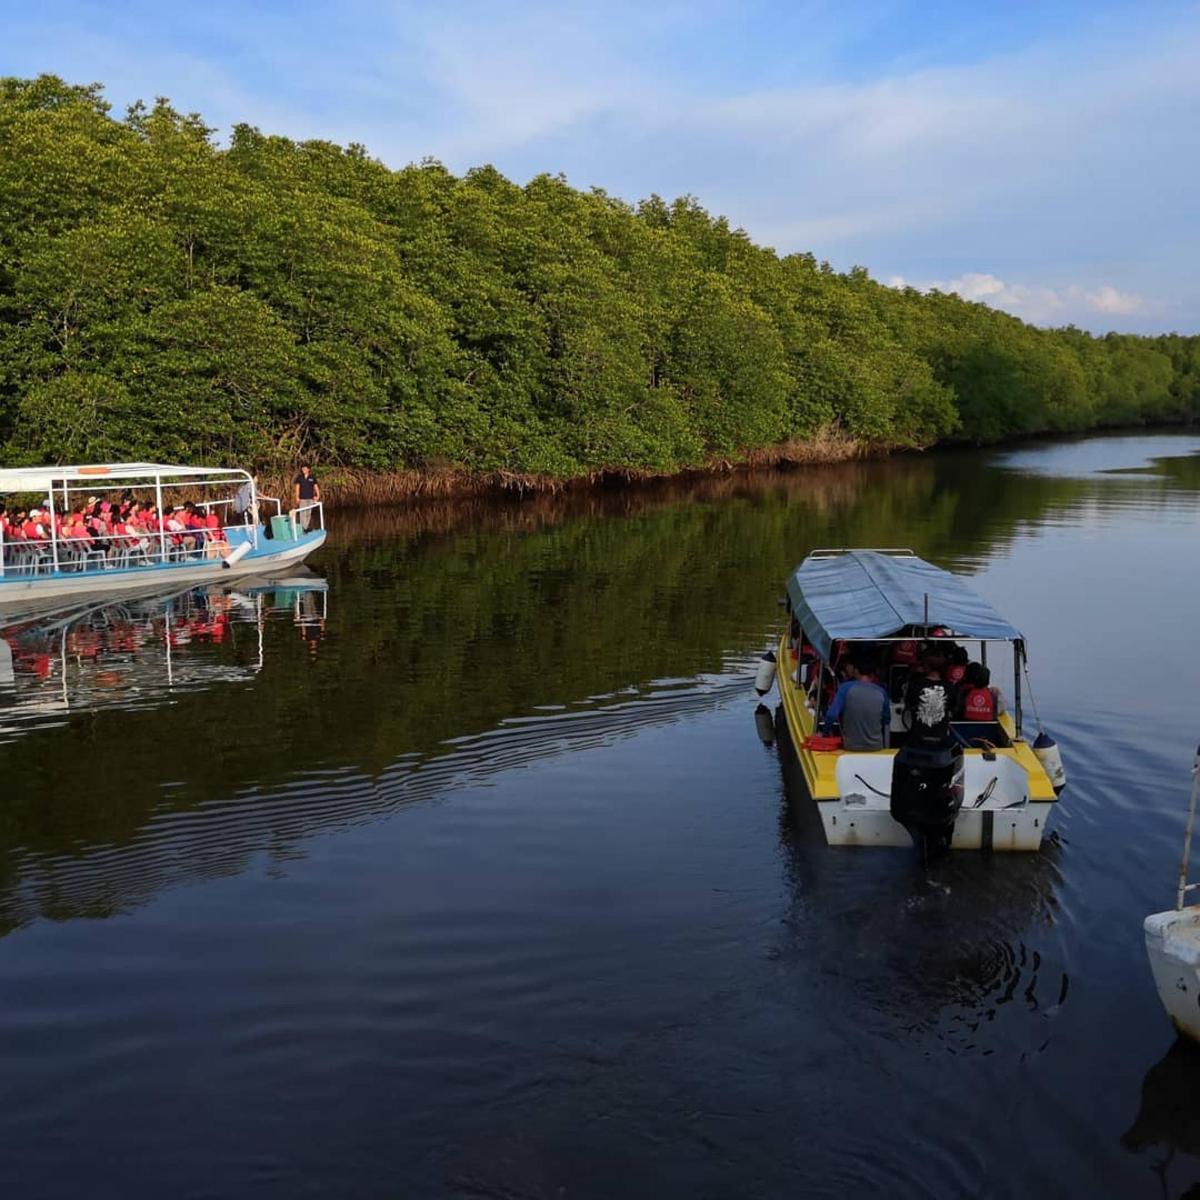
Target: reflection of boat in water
{"type": "Point", "coordinates": [128, 652]}
{"type": "Point", "coordinates": [1168, 1115]}
{"type": "Point", "coordinates": [941, 780]}
{"type": "Point", "coordinates": [1173, 940]}
{"type": "Point", "coordinates": [43, 561]}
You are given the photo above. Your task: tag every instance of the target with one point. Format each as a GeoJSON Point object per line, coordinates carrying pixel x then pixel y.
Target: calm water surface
{"type": "Point", "coordinates": [468, 875]}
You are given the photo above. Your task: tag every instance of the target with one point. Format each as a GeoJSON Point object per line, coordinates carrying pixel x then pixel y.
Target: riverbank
{"type": "Point", "coordinates": [349, 487]}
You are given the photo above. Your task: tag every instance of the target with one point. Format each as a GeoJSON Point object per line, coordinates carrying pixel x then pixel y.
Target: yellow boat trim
{"type": "Point", "coordinates": [820, 766]}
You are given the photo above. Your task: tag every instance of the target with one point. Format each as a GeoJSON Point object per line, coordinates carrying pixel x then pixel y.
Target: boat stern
{"type": "Point", "coordinates": [1173, 947]}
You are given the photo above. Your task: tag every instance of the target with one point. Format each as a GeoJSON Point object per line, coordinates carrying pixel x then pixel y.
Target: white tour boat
{"type": "Point", "coordinates": [47, 567]}
{"type": "Point", "coordinates": [1173, 940]}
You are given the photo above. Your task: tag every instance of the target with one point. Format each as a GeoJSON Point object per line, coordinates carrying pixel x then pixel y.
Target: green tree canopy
{"type": "Point", "coordinates": [164, 296]}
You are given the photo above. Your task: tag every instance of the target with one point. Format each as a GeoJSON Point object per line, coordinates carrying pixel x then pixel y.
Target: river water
{"type": "Point", "coordinates": [462, 871]}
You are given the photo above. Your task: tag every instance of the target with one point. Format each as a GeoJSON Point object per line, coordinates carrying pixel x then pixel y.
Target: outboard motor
{"type": "Point", "coordinates": [928, 771]}
{"type": "Point", "coordinates": [927, 792]}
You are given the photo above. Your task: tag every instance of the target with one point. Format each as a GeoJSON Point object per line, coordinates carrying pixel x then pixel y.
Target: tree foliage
{"type": "Point", "coordinates": [161, 296]}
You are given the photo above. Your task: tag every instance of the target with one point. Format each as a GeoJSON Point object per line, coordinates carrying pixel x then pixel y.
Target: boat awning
{"type": "Point", "coordinates": [862, 594]}
{"type": "Point", "coordinates": [105, 475]}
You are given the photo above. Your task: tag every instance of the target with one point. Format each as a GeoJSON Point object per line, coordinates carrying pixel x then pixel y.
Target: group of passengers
{"type": "Point", "coordinates": [932, 678]}
{"type": "Point", "coordinates": [113, 529]}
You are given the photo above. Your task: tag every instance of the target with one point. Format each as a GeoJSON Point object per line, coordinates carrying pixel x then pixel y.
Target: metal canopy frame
{"type": "Point", "coordinates": [93, 477]}
{"type": "Point", "coordinates": [956, 594]}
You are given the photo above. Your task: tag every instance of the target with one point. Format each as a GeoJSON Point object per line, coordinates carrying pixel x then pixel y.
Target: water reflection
{"type": "Point", "coordinates": [488, 836]}
{"type": "Point", "coordinates": [940, 951]}
{"type": "Point", "coordinates": [1168, 1118]}
{"type": "Point", "coordinates": [136, 652]}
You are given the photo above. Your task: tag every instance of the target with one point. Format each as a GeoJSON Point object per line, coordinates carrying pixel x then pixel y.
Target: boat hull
{"type": "Point", "coordinates": [25, 592]}
{"type": "Point", "coordinates": [1008, 798]}
{"type": "Point", "coordinates": [1173, 947]}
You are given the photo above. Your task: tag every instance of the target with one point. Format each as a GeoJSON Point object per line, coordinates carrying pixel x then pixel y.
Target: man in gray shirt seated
{"type": "Point", "coordinates": [861, 707]}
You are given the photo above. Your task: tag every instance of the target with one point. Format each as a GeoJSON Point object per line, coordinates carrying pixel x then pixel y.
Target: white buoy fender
{"type": "Point", "coordinates": [1046, 749]}
{"type": "Point", "coordinates": [237, 554]}
{"type": "Point", "coordinates": [765, 676]}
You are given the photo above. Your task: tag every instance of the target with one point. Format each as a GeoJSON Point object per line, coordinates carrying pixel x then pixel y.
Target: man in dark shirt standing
{"type": "Point", "coordinates": [305, 490]}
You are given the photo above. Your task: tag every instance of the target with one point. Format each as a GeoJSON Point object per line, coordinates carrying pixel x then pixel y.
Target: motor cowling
{"type": "Point", "coordinates": [927, 792]}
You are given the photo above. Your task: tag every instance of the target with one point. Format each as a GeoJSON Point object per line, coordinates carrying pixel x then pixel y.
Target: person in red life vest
{"type": "Point", "coordinates": [978, 702]}
{"type": "Point", "coordinates": [74, 533]}
{"type": "Point", "coordinates": [118, 535]}
{"type": "Point", "coordinates": [957, 669]}
{"type": "Point", "coordinates": [7, 532]}
{"type": "Point", "coordinates": [905, 653]}
{"type": "Point", "coordinates": [177, 527]}
{"type": "Point", "coordinates": [14, 531]}
{"type": "Point", "coordinates": [900, 659]}
{"type": "Point", "coordinates": [34, 529]}
{"type": "Point", "coordinates": [217, 546]}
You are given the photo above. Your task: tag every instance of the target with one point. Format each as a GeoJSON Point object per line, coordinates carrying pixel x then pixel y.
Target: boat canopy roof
{"type": "Point", "coordinates": [868, 594]}
{"type": "Point", "coordinates": [42, 479]}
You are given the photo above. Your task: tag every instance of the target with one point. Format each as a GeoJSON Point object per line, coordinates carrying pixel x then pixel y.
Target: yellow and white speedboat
{"type": "Point", "coordinates": [977, 785]}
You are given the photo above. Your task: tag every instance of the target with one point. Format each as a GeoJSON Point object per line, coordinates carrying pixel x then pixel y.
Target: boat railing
{"type": "Point", "coordinates": [109, 552]}
{"type": "Point", "coordinates": [299, 524]}
{"type": "Point", "coordinates": [837, 551]}
{"type": "Point", "coordinates": [209, 505]}
{"type": "Point", "coordinates": [1186, 861]}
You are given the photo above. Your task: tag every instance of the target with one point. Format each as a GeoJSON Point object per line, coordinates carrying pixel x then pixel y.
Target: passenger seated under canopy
{"type": "Point", "coordinates": [860, 706]}
{"type": "Point", "coordinates": [978, 700]}
{"type": "Point", "coordinates": [929, 700]}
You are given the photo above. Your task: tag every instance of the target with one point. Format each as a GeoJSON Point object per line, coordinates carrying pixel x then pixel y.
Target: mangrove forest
{"type": "Point", "coordinates": [166, 296]}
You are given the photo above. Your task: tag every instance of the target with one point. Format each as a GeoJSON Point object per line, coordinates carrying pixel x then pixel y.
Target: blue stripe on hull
{"type": "Point", "coordinates": [260, 557]}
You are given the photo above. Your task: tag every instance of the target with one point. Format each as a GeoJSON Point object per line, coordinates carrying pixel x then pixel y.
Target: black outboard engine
{"type": "Point", "coordinates": [927, 792]}
{"type": "Point", "coordinates": [928, 770]}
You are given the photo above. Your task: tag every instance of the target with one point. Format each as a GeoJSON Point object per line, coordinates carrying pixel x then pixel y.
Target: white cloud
{"type": "Point", "coordinates": [1040, 304]}
{"type": "Point", "coordinates": [1107, 299]}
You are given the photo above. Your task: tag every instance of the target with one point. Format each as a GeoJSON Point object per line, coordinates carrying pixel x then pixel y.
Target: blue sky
{"type": "Point", "coordinates": [1039, 156]}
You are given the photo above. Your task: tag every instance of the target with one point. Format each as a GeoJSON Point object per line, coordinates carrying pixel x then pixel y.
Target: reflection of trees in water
{"type": "Point", "coordinates": [939, 951]}
{"type": "Point", "coordinates": [222, 836]}
{"type": "Point", "coordinates": [953, 500]}
{"type": "Point", "coordinates": [451, 618]}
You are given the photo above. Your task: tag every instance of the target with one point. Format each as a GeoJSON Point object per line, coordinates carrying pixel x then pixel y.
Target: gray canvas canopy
{"type": "Point", "coordinates": [866, 594]}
